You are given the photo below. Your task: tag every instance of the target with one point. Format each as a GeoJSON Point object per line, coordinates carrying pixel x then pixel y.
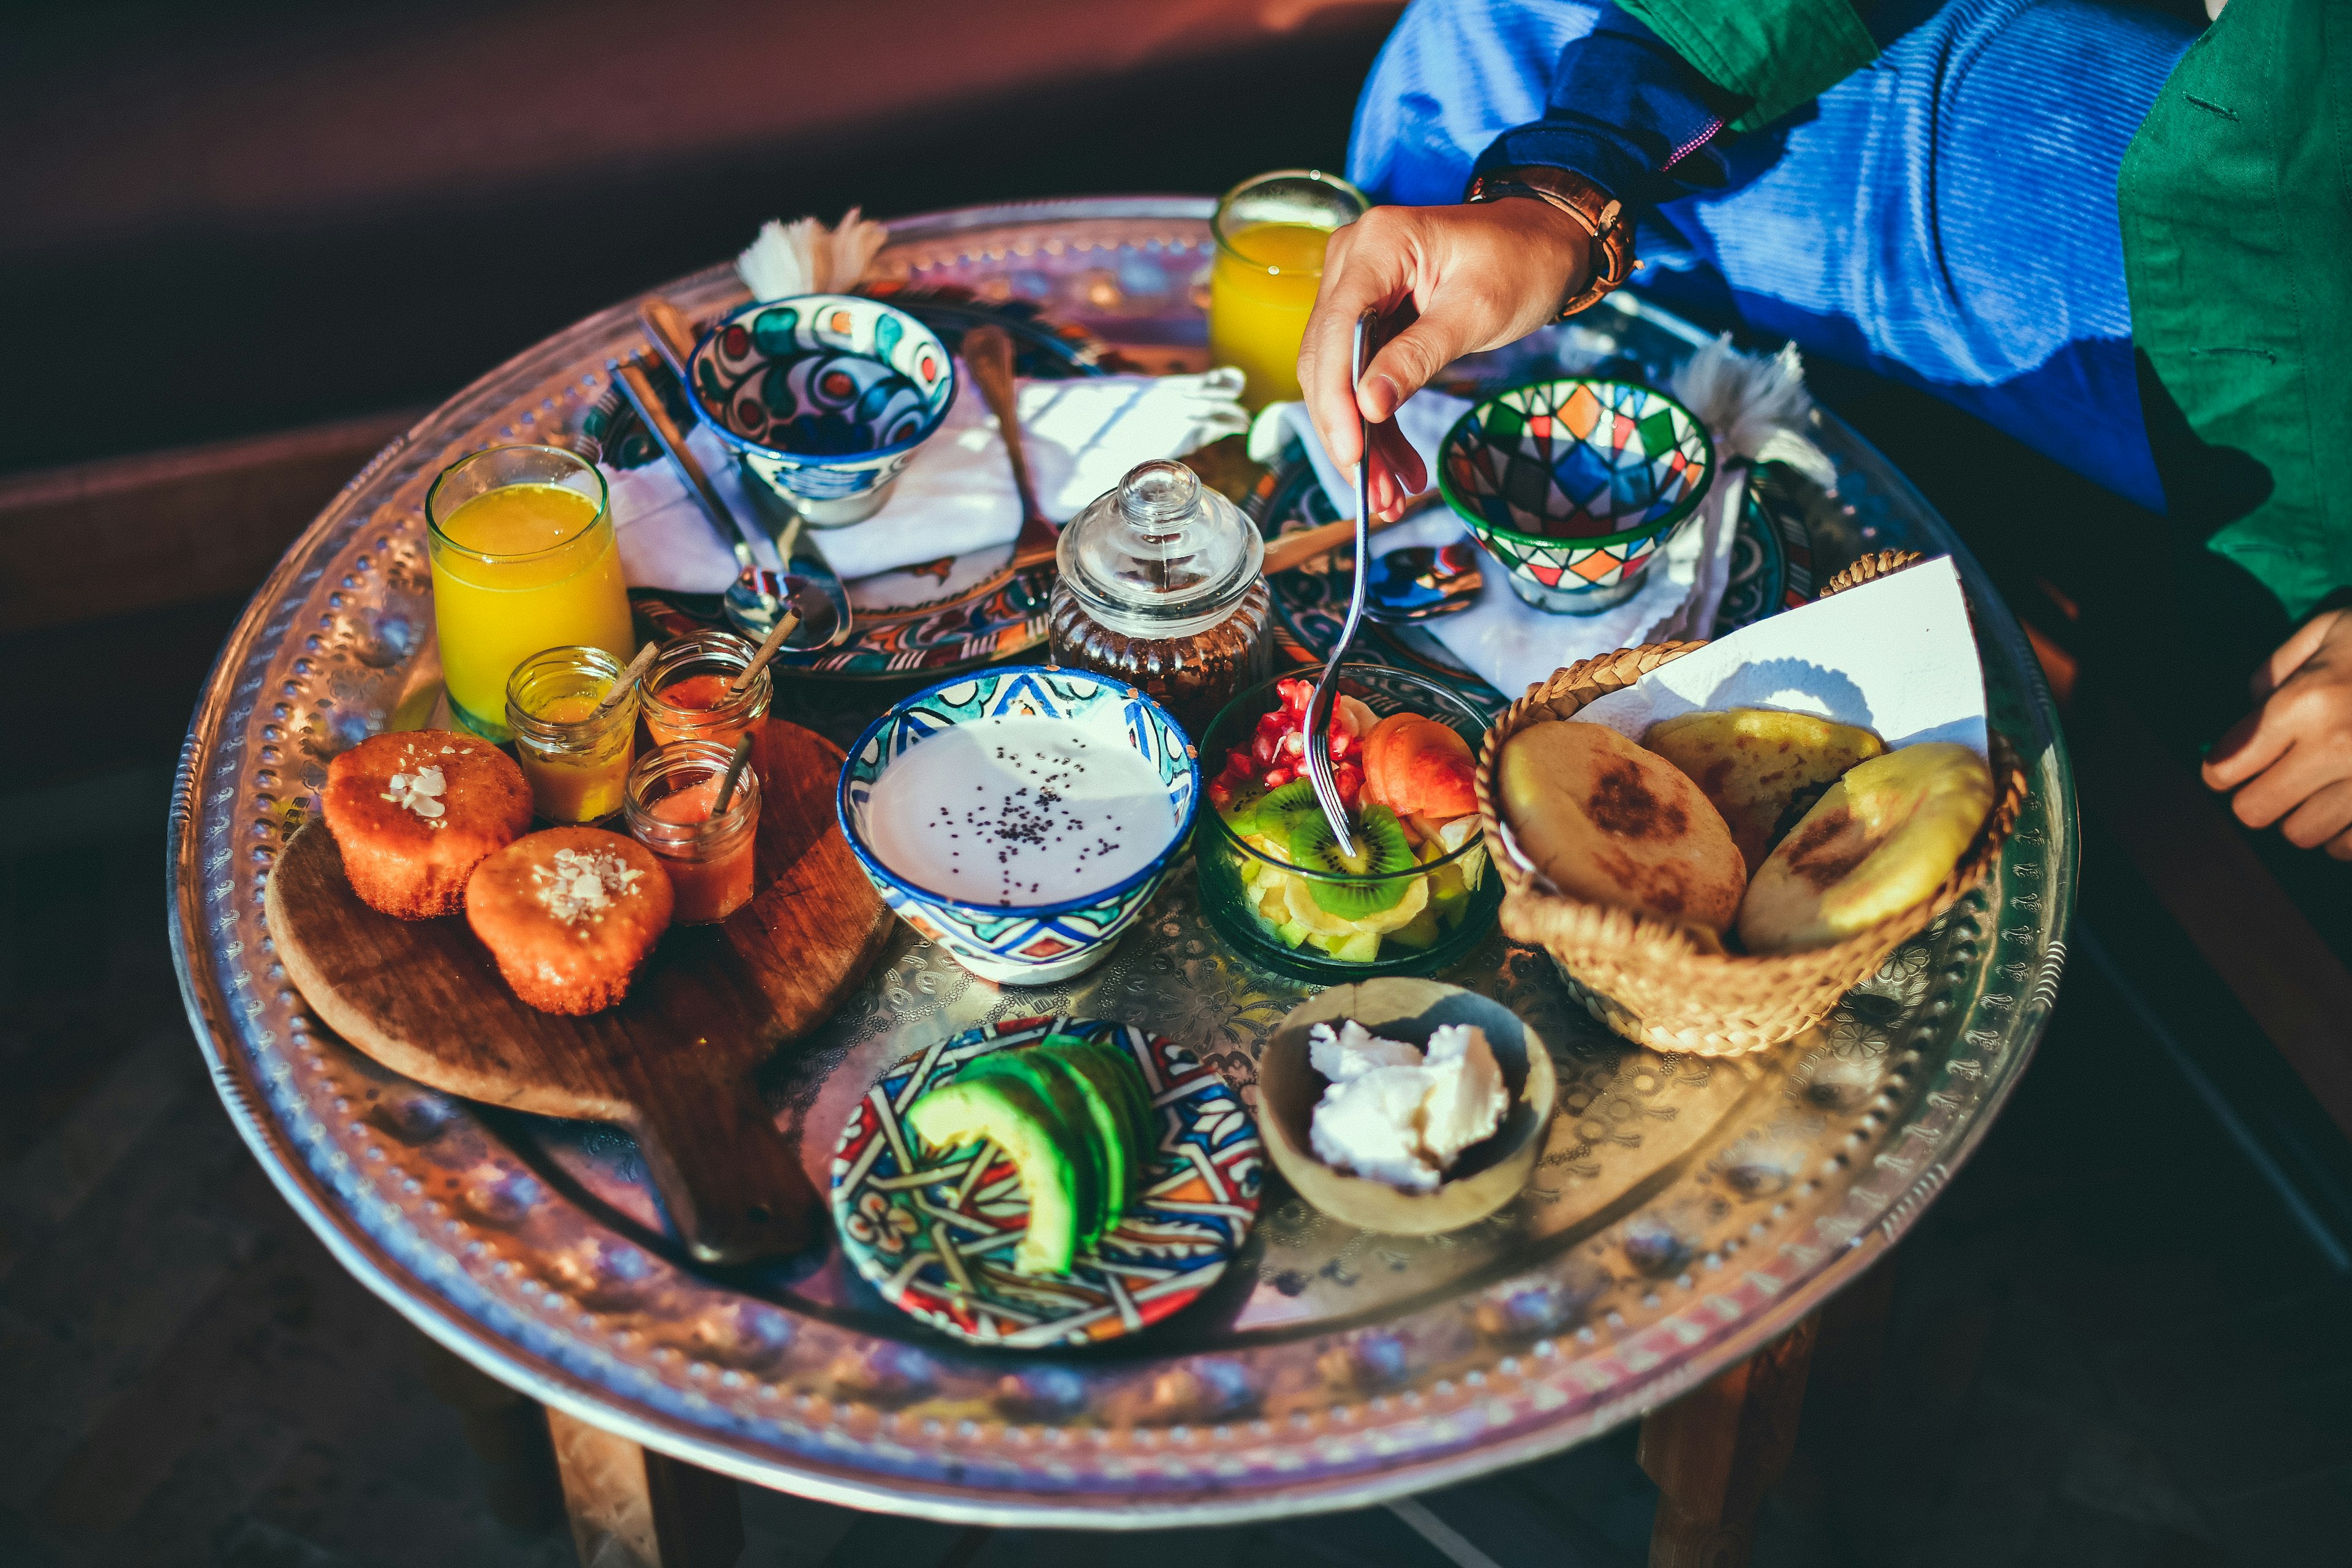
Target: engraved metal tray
{"type": "Point", "coordinates": [1684, 1212]}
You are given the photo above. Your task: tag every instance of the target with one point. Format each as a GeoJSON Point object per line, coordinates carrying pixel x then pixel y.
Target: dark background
{"type": "Point", "coordinates": [243, 215]}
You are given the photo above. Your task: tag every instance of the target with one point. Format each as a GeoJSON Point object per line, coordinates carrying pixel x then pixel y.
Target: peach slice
{"type": "Point", "coordinates": [1416, 766]}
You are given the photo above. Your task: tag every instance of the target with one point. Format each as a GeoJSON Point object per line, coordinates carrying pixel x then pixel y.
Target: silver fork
{"type": "Point", "coordinates": [1326, 690]}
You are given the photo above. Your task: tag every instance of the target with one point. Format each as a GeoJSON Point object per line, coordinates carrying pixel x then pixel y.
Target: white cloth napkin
{"type": "Point", "coordinates": [957, 495]}
{"type": "Point", "coordinates": [1753, 407]}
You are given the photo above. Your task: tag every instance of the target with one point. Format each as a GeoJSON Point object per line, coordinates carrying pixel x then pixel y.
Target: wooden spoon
{"type": "Point", "coordinates": [988, 354]}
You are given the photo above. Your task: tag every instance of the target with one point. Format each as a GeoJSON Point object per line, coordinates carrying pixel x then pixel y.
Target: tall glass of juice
{"type": "Point", "coordinates": [523, 559]}
{"type": "Point", "coordinates": [1270, 234]}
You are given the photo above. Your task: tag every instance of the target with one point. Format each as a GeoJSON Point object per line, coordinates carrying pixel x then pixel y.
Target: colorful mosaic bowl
{"type": "Point", "coordinates": [935, 1239]}
{"type": "Point", "coordinates": [1574, 485]}
{"type": "Point", "coordinates": [1038, 944]}
{"type": "Point", "coordinates": [824, 397]}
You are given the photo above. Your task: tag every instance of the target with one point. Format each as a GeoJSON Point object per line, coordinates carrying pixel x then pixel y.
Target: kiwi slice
{"type": "Point", "coordinates": [1277, 807]}
{"type": "Point", "coordinates": [1381, 852]}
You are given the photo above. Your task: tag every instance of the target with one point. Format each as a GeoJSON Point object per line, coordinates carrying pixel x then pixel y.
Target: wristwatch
{"type": "Point", "coordinates": [1600, 215]}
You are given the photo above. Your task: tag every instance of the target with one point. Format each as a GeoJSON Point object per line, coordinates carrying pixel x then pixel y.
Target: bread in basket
{"type": "Point", "coordinates": [1650, 980]}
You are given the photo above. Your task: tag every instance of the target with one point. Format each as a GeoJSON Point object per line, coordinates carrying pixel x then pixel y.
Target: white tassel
{"type": "Point", "coordinates": [1755, 406]}
{"type": "Point", "coordinates": [804, 256]}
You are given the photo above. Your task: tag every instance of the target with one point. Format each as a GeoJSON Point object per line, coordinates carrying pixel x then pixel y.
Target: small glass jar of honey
{"type": "Point", "coordinates": [575, 756]}
{"type": "Point", "coordinates": [672, 795]}
{"type": "Point", "coordinates": [687, 692]}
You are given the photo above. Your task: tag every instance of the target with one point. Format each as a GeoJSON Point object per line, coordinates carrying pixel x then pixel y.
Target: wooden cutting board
{"type": "Point", "coordinates": [675, 1062]}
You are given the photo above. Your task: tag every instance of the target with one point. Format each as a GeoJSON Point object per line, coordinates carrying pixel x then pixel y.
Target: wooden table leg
{"type": "Point", "coordinates": [1716, 1451]}
{"type": "Point", "coordinates": [631, 1508]}
{"type": "Point", "coordinates": [506, 1433]}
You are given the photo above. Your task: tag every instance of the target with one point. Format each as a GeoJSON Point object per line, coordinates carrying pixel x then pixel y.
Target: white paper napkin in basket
{"type": "Point", "coordinates": [1754, 406]}
{"type": "Point", "coordinates": [957, 495]}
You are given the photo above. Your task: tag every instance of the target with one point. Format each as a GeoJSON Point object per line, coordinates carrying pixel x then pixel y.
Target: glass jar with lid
{"type": "Point", "coordinates": [1162, 584]}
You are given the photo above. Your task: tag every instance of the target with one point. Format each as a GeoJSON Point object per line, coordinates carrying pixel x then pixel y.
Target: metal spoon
{"type": "Point", "coordinates": [1326, 690]}
{"type": "Point", "coordinates": [759, 597]}
{"type": "Point", "coordinates": [1422, 582]}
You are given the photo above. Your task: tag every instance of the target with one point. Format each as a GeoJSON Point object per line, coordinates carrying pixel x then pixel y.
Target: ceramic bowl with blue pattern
{"type": "Point", "coordinates": [1575, 485]}
{"type": "Point", "coordinates": [1009, 942]}
{"type": "Point", "coordinates": [824, 397]}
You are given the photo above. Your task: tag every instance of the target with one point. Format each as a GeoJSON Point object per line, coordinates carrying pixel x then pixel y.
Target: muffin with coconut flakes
{"type": "Point", "coordinates": [570, 914]}
{"type": "Point", "coordinates": [414, 811]}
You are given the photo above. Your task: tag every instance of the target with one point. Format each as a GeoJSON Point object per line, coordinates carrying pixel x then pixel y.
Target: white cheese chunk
{"type": "Point", "coordinates": [1371, 1125]}
{"type": "Point", "coordinates": [1467, 1098]}
{"type": "Point", "coordinates": [1354, 1051]}
{"type": "Point", "coordinates": [1396, 1115]}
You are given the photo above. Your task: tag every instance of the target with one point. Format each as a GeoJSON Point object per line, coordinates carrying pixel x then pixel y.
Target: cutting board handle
{"type": "Point", "coordinates": [733, 1183]}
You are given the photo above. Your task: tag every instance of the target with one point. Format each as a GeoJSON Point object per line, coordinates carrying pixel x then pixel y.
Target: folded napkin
{"type": "Point", "coordinates": [957, 495]}
{"type": "Point", "coordinates": [1753, 405]}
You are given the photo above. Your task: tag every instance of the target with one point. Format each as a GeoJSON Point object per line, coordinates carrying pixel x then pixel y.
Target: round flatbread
{"type": "Point", "coordinates": [1609, 823]}
{"type": "Point", "coordinates": [1881, 840]}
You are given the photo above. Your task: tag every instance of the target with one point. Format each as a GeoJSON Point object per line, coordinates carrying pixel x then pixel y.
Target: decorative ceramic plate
{"type": "Point", "coordinates": [937, 1239]}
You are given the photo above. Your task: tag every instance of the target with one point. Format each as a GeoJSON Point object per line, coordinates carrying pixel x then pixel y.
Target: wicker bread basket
{"type": "Point", "coordinates": [1649, 979]}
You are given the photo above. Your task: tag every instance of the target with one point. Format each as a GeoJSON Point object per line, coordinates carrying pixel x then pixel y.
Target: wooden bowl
{"type": "Point", "coordinates": [1488, 1175]}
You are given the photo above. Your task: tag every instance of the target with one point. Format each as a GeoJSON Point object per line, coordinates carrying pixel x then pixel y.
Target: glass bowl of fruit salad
{"type": "Point", "coordinates": [1417, 893]}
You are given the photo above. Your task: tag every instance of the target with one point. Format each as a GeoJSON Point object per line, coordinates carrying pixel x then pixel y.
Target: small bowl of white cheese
{"type": "Point", "coordinates": [1405, 1106]}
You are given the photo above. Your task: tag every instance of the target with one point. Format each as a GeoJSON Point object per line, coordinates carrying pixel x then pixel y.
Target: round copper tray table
{"type": "Point", "coordinates": [1685, 1212]}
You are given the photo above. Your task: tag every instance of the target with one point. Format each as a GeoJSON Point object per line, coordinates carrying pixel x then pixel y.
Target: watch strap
{"type": "Point", "coordinates": [1598, 212]}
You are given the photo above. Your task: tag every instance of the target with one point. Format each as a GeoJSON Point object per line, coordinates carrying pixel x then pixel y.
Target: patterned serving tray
{"type": "Point", "coordinates": [1683, 1212]}
{"type": "Point", "coordinates": [934, 1239]}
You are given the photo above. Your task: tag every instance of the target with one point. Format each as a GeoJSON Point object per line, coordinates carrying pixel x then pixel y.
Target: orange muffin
{"type": "Point", "coordinates": [569, 914]}
{"type": "Point", "coordinates": [415, 813]}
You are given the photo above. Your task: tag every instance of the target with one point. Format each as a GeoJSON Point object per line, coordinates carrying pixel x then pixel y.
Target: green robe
{"type": "Point", "coordinates": [2236, 201]}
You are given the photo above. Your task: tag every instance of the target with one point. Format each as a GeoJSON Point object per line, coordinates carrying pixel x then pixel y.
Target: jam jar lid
{"type": "Point", "coordinates": [1162, 556]}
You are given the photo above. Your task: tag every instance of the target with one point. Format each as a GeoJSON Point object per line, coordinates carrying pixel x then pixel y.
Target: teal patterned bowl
{"type": "Point", "coordinates": [1040, 944]}
{"type": "Point", "coordinates": [824, 397]}
{"type": "Point", "coordinates": [1574, 485]}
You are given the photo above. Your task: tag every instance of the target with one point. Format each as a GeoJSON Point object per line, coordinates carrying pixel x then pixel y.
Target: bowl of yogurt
{"type": "Point", "coordinates": [1021, 818]}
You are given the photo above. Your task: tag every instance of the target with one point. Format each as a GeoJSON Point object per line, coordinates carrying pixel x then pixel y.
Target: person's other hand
{"type": "Point", "coordinates": [1477, 277]}
{"type": "Point", "coordinates": [2292, 756]}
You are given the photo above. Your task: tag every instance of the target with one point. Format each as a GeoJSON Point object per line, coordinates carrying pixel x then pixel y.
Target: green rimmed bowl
{"type": "Point", "coordinates": [1575, 485]}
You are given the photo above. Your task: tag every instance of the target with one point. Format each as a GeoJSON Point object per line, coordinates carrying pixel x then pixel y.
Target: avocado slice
{"type": "Point", "coordinates": [1098, 1079]}
{"type": "Point", "coordinates": [1136, 1096]}
{"type": "Point", "coordinates": [1074, 1125]}
{"type": "Point", "coordinates": [1003, 1109]}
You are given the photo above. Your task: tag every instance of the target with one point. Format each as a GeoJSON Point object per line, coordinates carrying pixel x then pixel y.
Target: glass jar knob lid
{"type": "Point", "coordinates": [1162, 555]}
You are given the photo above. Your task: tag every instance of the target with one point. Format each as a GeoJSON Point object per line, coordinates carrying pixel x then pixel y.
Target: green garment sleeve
{"type": "Point", "coordinates": [2236, 201]}
{"type": "Point", "coordinates": [1776, 54]}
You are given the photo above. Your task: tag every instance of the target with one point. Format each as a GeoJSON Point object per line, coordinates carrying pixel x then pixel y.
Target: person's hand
{"type": "Point", "coordinates": [2292, 756]}
{"type": "Point", "coordinates": [1477, 277]}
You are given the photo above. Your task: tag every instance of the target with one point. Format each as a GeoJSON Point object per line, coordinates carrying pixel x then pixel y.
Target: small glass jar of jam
{"type": "Point", "coordinates": [1162, 584]}
{"type": "Point", "coordinates": [671, 798]}
{"type": "Point", "coordinates": [576, 759]}
{"type": "Point", "coordinates": [688, 691]}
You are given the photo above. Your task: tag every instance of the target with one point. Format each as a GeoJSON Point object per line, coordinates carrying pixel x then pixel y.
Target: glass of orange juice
{"type": "Point", "coordinates": [524, 559]}
{"type": "Point", "coordinates": [1270, 234]}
